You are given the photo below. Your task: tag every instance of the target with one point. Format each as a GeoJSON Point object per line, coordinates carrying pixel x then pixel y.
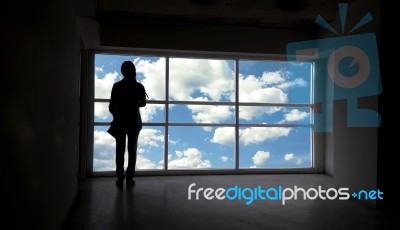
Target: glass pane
{"type": "Point", "coordinates": [275, 82]}
{"type": "Point", "coordinates": [150, 71]}
{"type": "Point", "coordinates": [151, 148]}
{"type": "Point", "coordinates": [217, 114]}
{"type": "Point", "coordinates": [201, 80]}
{"type": "Point", "coordinates": [101, 113]}
{"type": "Point", "coordinates": [149, 113]}
{"type": "Point", "coordinates": [274, 115]}
{"type": "Point", "coordinates": [150, 152]}
{"type": "Point", "coordinates": [275, 147]}
{"type": "Point", "coordinates": [201, 148]}
{"type": "Point", "coordinates": [103, 150]}
{"type": "Point", "coordinates": [153, 113]}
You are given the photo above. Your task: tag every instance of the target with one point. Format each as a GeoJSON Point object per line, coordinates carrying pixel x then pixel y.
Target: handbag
{"type": "Point", "coordinates": [143, 100]}
{"type": "Point", "coordinates": [113, 130]}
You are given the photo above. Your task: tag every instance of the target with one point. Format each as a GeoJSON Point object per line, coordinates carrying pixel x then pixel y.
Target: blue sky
{"type": "Point", "coordinates": [211, 80]}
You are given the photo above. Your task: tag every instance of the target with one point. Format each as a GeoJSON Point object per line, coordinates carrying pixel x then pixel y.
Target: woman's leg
{"type": "Point", "coordinates": [132, 149]}
{"type": "Point", "coordinates": [119, 157]}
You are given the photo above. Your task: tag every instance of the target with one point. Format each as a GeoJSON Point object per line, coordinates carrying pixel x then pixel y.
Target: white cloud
{"type": "Point", "coordinates": [103, 165]}
{"type": "Point", "coordinates": [298, 82]}
{"type": "Point", "coordinates": [103, 138]}
{"type": "Point", "coordinates": [179, 154]}
{"type": "Point", "coordinates": [260, 158]}
{"type": "Point", "coordinates": [292, 157]}
{"type": "Point", "coordinates": [289, 156]}
{"type": "Point", "coordinates": [104, 85]}
{"type": "Point", "coordinates": [224, 136]}
{"type": "Point", "coordinates": [104, 145]}
{"type": "Point", "coordinates": [149, 111]}
{"type": "Point", "coordinates": [272, 77]}
{"type": "Point", "coordinates": [254, 89]}
{"type": "Point", "coordinates": [295, 115]}
{"type": "Point", "coordinates": [153, 77]}
{"type": "Point", "coordinates": [172, 142]}
{"type": "Point", "coordinates": [144, 163]}
{"type": "Point", "coordinates": [104, 151]}
{"type": "Point", "coordinates": [140, 150]}
{"type": "Point", "coordinates": [248, 113]}
{"type": "Point", "coordinates": [101, 110]}
{"type": "Point", "coordinates": [154, 83]}
{"type": "Point", "coordinates": [213, 78]}
{"type": "Point", "coordinates": [224, 158]}
{"type": "Point", "coordinates": [98, 69]}
{"type": "Point", "coordinates": [187, 159]}
{"type": "Point", "coordinates": [255, 135]}
{"type": "Point", "coordinates": [150, 137]}
{"type": "Point", "coordinates": [210, 113]}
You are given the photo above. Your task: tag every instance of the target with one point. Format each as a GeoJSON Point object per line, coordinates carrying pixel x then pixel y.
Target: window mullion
{"type": "Point", "coordinates": [166, 124]}
{"type": "Point", "coordinates": [236, 114]}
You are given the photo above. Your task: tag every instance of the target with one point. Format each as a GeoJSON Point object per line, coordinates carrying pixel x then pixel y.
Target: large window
{"type": "Point", "coordinates": [208, 113]}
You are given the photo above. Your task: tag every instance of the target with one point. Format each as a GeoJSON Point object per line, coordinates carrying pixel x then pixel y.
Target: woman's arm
{"type": "Point", "coordinates": [112, 107]}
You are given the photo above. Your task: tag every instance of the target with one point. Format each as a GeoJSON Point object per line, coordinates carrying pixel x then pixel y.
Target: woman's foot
{"type": "Point", "coordinates": [120, 183]}
{"type": "Point", "coordinates": [130, 182]}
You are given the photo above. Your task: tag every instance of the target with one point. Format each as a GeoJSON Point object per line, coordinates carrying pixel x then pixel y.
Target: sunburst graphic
{"type": "Point", "coordinates": [343, 14]}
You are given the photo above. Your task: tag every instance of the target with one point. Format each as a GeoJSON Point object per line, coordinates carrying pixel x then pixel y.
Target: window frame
{"type": "Point", "coordinates": [316, 165]}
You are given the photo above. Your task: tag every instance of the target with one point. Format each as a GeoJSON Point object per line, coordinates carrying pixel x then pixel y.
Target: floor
{"type": "Point", "coordinates": [162, 203]}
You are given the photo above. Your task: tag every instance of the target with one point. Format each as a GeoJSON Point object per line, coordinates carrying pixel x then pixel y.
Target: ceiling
{"type": "Point", "coordinates": [292, 14]}
{"type": "Point", "coordinates": [281, 14]}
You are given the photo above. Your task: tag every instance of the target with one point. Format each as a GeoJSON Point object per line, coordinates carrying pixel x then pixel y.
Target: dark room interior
{"type": "Point", "coordinates": [47, 85]}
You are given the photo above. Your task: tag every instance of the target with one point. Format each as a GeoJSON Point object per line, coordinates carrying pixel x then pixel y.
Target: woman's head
{"type": "Point", "coordinates": [128, 69]}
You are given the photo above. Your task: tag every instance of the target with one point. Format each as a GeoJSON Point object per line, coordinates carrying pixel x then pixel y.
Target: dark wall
{"type": "Point", "coordinates": [352, 152]}
{"type": "Point", "coordinates": [40, 65]}
{"type": "Point", "coordinates": [387, 167]}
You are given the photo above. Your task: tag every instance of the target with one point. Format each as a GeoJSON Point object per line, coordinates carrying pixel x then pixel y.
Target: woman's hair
{"type": "Point", "coordinates": [128, 69]}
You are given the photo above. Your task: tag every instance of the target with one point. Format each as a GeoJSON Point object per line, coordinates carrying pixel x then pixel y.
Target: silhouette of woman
{"type": "Point", "coordinates": [124, 106]}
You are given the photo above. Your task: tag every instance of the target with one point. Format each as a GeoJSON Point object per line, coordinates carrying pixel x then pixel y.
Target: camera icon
{"type": "Point", "coordinates": [345, 68]}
